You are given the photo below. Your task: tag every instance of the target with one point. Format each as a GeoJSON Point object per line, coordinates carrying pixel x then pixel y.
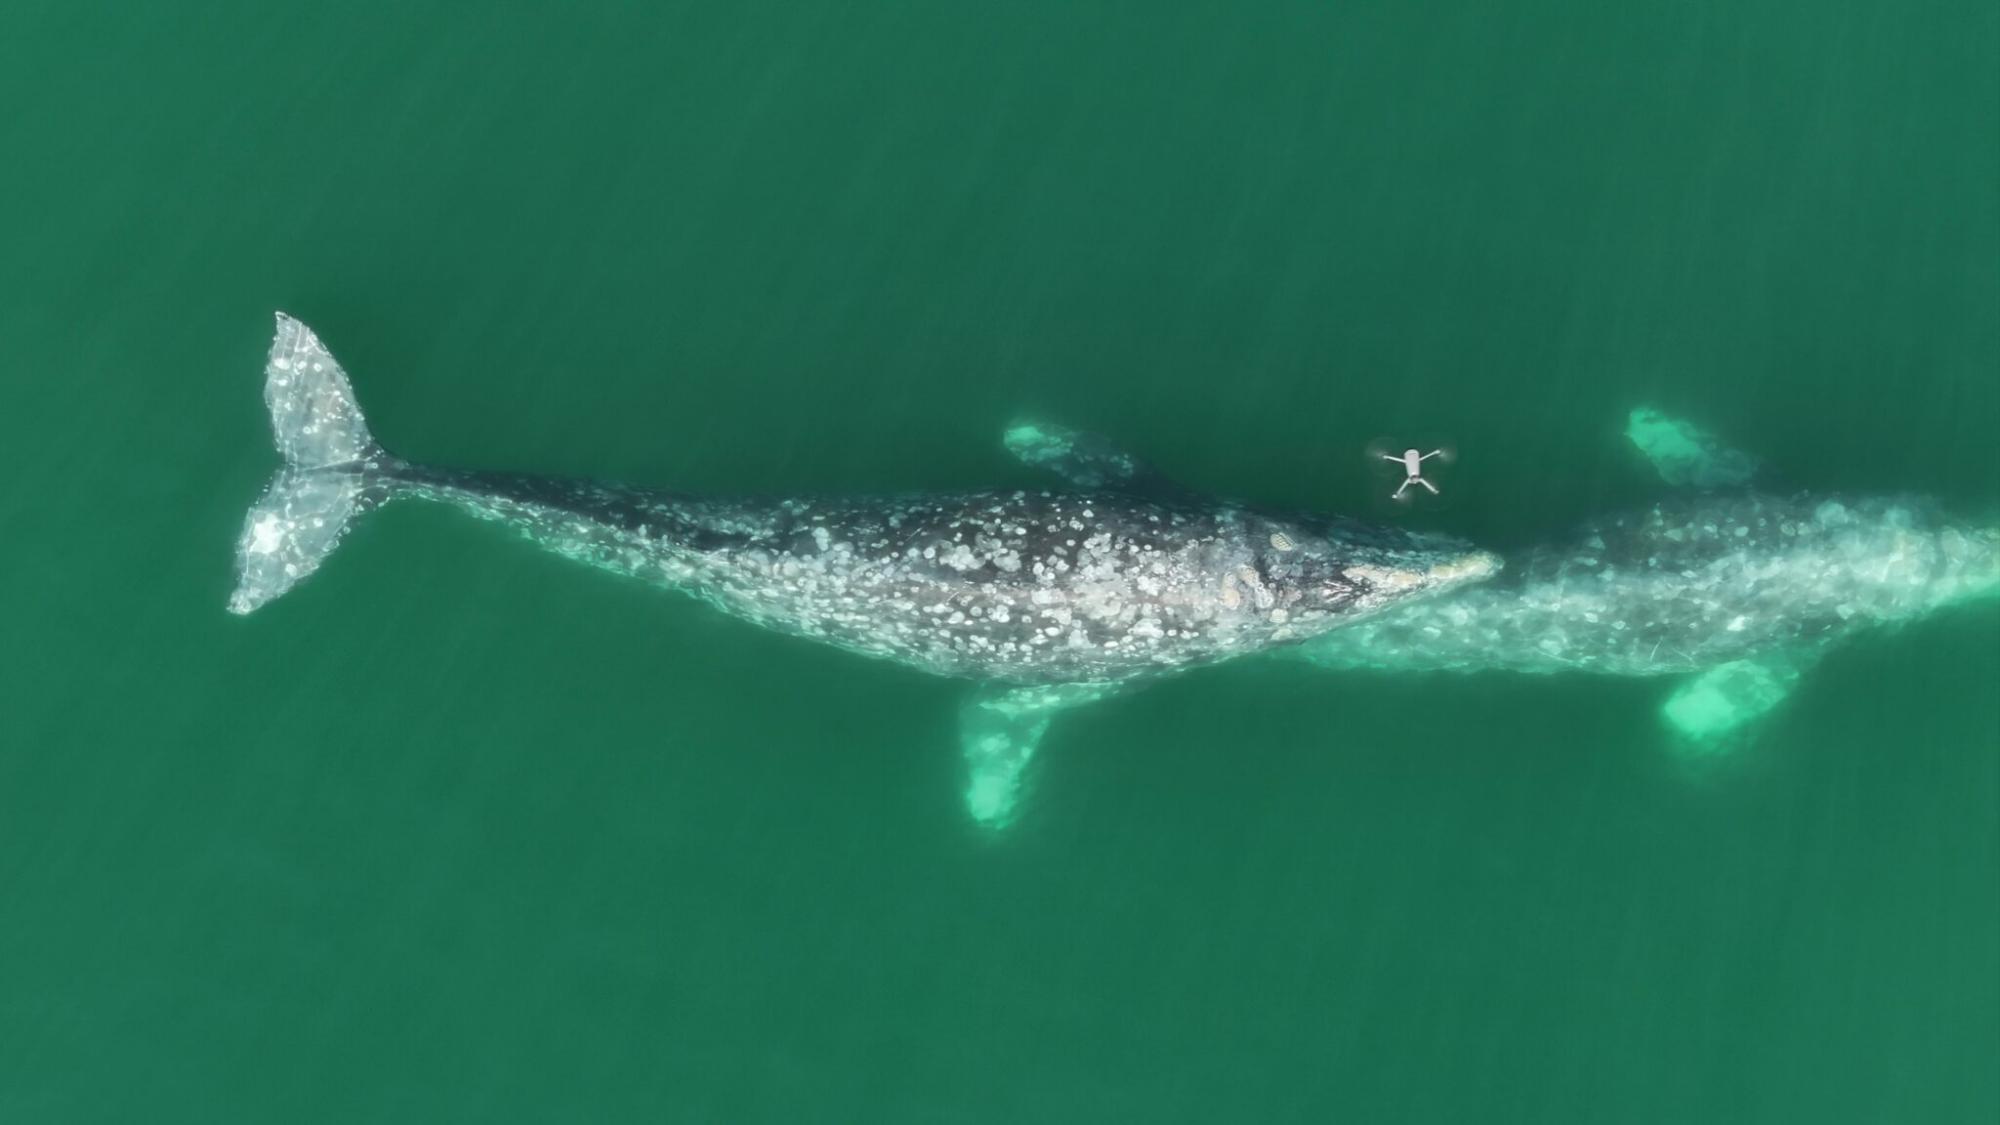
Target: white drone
{"type": "Point", "coordinates": [1413, 465]}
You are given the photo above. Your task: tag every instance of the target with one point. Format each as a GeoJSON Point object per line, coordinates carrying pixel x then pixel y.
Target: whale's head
{"type": "Point", "coordinates": [1330, 569]}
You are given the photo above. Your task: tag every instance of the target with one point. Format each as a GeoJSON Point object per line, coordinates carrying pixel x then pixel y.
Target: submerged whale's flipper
{"type": "Point", "coordinates": [1084, 460]}
{"type": "Point", "coordinates": [330, 474]}
{"type": "Point", "coordinates": [1685, 454]}
{"type": "Point", "coordinates": [1715, 704]}
{"type": "Point", "coordinates": [1000, 728]}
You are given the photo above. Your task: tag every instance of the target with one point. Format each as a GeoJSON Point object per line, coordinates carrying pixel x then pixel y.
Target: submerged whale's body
{"type": "Point", "coordinates": [1686, 585]}
{"type": "Point", "coordinates": [1049, 598]}
{"type": "Point", "coordinates": [1741, 589]}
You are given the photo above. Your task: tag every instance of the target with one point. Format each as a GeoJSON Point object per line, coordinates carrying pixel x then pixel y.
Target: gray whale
{"type": "Point", "coordinates": [1046, 598]}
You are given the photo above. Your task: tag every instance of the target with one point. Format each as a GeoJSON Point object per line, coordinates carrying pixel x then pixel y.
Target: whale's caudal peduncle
{"type": "Point", "coordinates": [1061, 593]}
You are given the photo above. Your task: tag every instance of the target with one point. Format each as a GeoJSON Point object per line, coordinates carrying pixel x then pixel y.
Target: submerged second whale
{"type": "Point", "coordinates": [1731, 583]}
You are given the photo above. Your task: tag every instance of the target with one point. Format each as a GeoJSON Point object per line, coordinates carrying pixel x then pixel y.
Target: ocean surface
{"type": "Point", "coordinates": [460, 831]}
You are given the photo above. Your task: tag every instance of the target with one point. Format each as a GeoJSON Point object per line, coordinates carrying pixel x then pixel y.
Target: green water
{"type": "Point", "coordinates": [460, 832]}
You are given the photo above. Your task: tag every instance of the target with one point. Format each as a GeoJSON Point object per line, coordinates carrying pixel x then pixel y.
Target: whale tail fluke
{"type": "Point", "coordinates": [333, 469]}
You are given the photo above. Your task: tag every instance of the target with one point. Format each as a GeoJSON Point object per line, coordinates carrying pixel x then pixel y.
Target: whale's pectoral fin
{"type": "Point", "coordinates": [1715, 704]}
{"type": "Point", "coordinates": [1000, 728]}
{"type": "Point", "coordinates": [1685, 454]}
{"type": "Point", "coordinates": [1085, 460]}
